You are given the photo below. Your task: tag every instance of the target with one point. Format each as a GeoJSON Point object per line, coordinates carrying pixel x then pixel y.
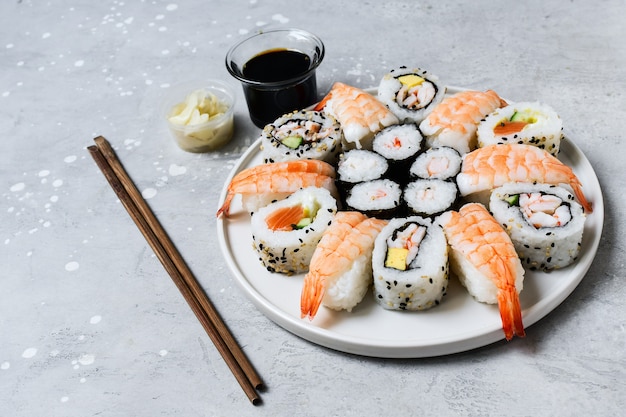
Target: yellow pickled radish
{"type": "Point", "coordinates": [411, 80]}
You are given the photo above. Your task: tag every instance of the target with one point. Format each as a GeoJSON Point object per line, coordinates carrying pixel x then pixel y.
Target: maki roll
{"type": "Point", "coordinates": [410, 93]}
{"type": "Point", "coordinates": [358, 165]}
{"type": "Point", "coordinates": [524, 123]}
{"type": "Point", "coordinates": [379, 198]}
{"type": "Point", "coordinates": [544, 221]}
{"type": "Point", "coordinates": [285, 233]}
{"type": "Point", "coordinates": [400, 145]}
{"type": "Point", "coordinates": [410, 264]}
{"type": "Point", "coordinates": [430, 197]}
{"type": "Point", "coordinates": [304, 134]}
{"type": "Point", "coordinates": [441, 163]}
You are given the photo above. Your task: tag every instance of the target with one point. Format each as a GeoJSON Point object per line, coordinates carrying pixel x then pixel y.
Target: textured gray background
{"type": "Point", "coordinates": [91, 325]}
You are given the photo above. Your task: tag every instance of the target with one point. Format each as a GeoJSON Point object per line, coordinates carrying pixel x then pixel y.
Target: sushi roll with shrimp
{"type": "Point", "coordinates": [410, 93]}
{"type": "Point", "coordinates": [430, 197]}
{"type": "Point", "coordinates": [440, 163]}
{"type": "Point", "coordinates": [529, 123]}
{"type": "Point", "coordinates": [410, 264]}
{"type": "Point", "coordinates": [379, 198]}
{"type": "Point", "coordinates": [544, 222]}
{"type": "Point", "coordinates": [302, 134]}
{"type": "Point", "coordinates": [286, 233]}
{"type": "Point", "coordinates": [400, 145]}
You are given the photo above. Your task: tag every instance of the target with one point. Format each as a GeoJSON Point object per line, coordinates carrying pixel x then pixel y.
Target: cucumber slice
{"type": "Point", "coordinates": [304, 222]}
{"type": "Point", "coordinates": [513, 200]}
{"type": "Point", "coordinates": [292, 142]}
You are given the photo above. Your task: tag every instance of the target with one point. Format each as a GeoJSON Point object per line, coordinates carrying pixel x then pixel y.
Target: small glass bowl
{"type": "Point", "coordinates": [205, 136]}
{"type": "Point", "coordinates": [268, 100]}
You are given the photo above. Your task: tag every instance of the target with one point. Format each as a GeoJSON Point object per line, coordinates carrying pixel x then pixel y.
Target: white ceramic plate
{"type": "Point", "coordinates": [458, 324]}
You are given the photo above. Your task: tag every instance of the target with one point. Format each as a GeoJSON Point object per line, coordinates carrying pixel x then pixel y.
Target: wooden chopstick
{"type": "Point", "coordinates": [176, 267]}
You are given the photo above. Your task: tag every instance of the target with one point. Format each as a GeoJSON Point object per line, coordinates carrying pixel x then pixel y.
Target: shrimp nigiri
{"type": "Point", "coordinates": [340, 271]}
{"type": "Point", "coordinates": [454, 121]}
{"type": "Point", "coordinates": [277, 180]}
{"type": "Point", "coordinates": [492, 166]}
{"type": "Point", "coordinates": [484, 259]}
{"type": "Point", "coordinates": [360, 114]}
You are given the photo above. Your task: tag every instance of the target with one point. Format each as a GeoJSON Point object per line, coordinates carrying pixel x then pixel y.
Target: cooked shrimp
{"type": "Point", "coordinates": [296, 166]}
{"type": "Point", "coordinates": [360, 114]}
{"type": "Point", "coordinates": [476, 237]}
{"type": "Point", "coordinates": [280, 177]}
{"type": "Point", "coordinates": [455, 120]}
{"type": "Point", "coordinates": [346, 244]}
{"type": "Point", "coordinates": [416, 97]}
{"type": "Point", "coordinates": [544, 210]}
{"type": "Point", "coordinates": [494, 165]}
{"type": "Point", "coordinates": [437, 165]}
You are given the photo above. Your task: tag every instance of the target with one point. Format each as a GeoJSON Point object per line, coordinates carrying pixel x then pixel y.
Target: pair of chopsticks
{"type": "Point", "coordinates": [174, 264]}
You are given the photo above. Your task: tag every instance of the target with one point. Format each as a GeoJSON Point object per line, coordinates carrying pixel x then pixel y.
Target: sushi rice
{"type": "Point", "coordinates": [358, 165]}
{"type": "Point", "coordinates": [442, 163]}
{"type": "Point", "coordinates": [430, 197]}
{"type": "Point", "coordinates": [379, 198]}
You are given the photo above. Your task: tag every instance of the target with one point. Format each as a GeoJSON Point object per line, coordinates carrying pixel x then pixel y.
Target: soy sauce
{"type": "Point", "coordinates": [268, 102]}
{"type": "Point", "coordinates": [276, 65]}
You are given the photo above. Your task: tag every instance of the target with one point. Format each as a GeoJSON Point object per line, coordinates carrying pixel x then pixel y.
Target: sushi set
{"type": "Point", "coordinates": [411, 220]}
